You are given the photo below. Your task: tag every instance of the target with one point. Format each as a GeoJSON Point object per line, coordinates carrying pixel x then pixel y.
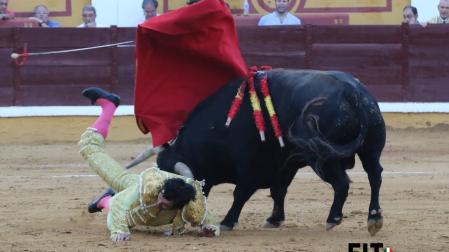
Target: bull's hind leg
{"type": "Point", "coordinates": [278, 191]}
{"type": "Point", "coordinates": [337, 177]}
{"type": "Point", "coordinates": [371, 164]}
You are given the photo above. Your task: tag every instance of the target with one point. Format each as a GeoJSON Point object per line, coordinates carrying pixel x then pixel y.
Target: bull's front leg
{"type": "Point", "coordinates": [241, 194]}
{"type": "Point", "coordinates": [277, 215]}
{"type": "Point", "coordinates": [278, 191]}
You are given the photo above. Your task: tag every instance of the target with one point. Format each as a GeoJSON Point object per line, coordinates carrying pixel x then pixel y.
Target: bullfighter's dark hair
{"type": "Point", "coordinates": [178, 191]}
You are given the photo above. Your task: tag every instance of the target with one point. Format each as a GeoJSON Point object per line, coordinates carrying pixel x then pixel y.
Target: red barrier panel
{"type": "Point", "coordinates": [397, 63]}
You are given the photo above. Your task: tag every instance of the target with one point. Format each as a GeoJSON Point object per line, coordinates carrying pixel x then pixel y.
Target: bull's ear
{"type": "Point", "coordinates": [183, 170]}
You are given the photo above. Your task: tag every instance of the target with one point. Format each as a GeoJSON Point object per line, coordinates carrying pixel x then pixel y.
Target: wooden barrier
{"type": "Point", "coordinates": [397, 63]}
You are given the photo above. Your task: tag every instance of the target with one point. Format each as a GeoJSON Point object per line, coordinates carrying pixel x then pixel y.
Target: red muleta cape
{"type": "Point", "coordinates": [183, 57]}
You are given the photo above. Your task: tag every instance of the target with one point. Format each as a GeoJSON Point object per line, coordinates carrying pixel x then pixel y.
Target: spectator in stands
{"type": "Point", "coordinates": [410, 14]}
{"type": "Point", "coordinates": [149, 8]}
{"type": "Point", "coordinates": [443, 9]}
{"type": "Point", "coordinates": [41, 14]}
{"type": "Point", "coordinates": [89, 16]}
{"type": "Point", "coordinates": [281, 16]}
{"type": "Point", "coordinates": [5, 14]}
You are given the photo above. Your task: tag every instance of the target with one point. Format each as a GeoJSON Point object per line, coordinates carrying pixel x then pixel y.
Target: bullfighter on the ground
{"type": "Point", "coordinates": [151, 198]}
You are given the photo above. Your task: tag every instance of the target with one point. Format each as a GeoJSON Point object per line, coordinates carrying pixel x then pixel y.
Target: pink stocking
{"type": "Point", "coordinates": [104, 203]}
{"type": "Point", "coordinates": [104, 120]}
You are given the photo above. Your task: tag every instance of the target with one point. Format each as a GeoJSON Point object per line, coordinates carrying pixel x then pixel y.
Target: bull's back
{"type": "Point", "coordinates": [222, 154]}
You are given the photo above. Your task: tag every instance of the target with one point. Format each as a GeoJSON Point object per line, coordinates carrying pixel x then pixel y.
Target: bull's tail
{"type": "Point", "coordinates": [318, 144]}
{"type": "Point", "coordinates": [324, 148]}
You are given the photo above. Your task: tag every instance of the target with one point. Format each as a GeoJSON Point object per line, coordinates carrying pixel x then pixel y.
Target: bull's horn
{"type": "Point", "coordinates": [183, 170]}
{"type": "Point", "coordinates": [147, 153]}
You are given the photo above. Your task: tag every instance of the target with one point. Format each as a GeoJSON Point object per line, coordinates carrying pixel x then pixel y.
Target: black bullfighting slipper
{"type": "Point", "coordinates": [92, 207]}
{"type": "Point", "coordinates": [94, 93]}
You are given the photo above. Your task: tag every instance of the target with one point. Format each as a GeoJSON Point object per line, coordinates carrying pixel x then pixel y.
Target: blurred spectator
{"type": "Point", "coordinates": [443, 9]}
{"type": "Point", "coordinates": [5, 14]}
{"type": "Point", "coordinates": [410, 14]}
{"type": "Point", "coordinates": [281, 16]}
{"type": "Point", "coordinates": [149, 8]}
{"type": "Point", "coordinates": [89, 16]}
{"type": "Point", "coordinates": [41, 15]}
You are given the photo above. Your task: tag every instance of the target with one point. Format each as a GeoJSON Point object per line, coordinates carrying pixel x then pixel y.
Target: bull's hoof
{"type": "Point", "coordinates": [276, 224]}
{"type": "Point", "coordinates": [374, 225]}
{"type": "Point", "coordinates": [274, 221]}
{"type": "Point", "coordinates": [336, 221]}
{"type": "Point", "coordinates": [225, 227]}
{"type": "Point", "coordinates": [375, 221]}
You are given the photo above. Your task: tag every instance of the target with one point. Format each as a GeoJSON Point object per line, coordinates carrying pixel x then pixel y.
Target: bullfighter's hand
{"type": "Point", "coordinates": [207, 231]}
{"type": "Point", "coordinates": [120, 237]}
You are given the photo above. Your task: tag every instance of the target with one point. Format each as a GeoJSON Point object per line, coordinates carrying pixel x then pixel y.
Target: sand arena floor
{"type": "Point", "coordinates": [45, 186]}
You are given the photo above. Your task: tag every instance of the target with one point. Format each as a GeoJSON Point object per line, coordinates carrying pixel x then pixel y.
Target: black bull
{"type": "Point", "coordinates": [326, 117]}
